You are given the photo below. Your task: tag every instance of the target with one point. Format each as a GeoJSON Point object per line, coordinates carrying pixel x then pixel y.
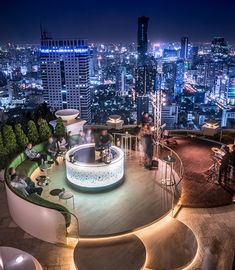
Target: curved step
{"type": "Point", "coordinates": [169, 244]}
{"type": "Point", "coordinates": [122, 253]}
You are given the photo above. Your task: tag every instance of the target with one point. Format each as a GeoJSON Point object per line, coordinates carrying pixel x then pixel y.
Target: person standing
{"type": "Point", "coordinates": [89, 137]}
{"type": "Point", "coordinates": [148, 147]}
{"type": "Point", "coordinates": [223, 170]}
{"type": "Point", "coordinates": [81, 137]}
{"type": "Point", "coordinates": [52, 149]}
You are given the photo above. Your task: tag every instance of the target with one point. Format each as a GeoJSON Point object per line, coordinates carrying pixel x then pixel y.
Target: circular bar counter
{"type": "Point", "coordinates": [86, 173]}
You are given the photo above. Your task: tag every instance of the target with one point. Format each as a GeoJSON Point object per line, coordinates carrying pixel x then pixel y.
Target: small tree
{"type": "Point", "coordinates": [32, 132]}
{"type": "Point", "coordinates": [9, 139]}
{"type": "Point", "coordinates": [60, 128]}
{"type": "Point", "coordinates": [21, 138]}
{"type": "Point", "coordinates": [3, 153]}
{"type": "Point", "coordinates": [44, 129]}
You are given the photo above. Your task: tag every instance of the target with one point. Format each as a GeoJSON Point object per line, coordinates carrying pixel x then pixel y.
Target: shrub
{"type": "Point", "coordinates": [21, 138]}
{"type": "Point", "coordinates": [9, 139]}
{"type": "Point", "coordinates": [32, 132]}
{"type": "Point", "coordinates": [60, 128]}
{"type": "Point", "coordinates": [3, 153]}
{"type": "Point", "coordinates": [44, 129]}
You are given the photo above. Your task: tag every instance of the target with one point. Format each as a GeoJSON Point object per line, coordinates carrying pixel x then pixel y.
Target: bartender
{"type": "Point", "coordinates": [104, 140]}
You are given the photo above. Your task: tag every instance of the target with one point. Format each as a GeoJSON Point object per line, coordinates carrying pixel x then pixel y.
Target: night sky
{"type": "Point", "coordinates": [105, 20]}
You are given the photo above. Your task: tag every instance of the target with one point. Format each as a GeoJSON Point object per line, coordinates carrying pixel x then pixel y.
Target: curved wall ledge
{"type": "Point", "coordinates": [43, 223]}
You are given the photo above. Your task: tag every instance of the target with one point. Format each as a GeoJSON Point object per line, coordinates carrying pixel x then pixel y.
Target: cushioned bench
{"type": "Point", "coordinates": [26, 167]}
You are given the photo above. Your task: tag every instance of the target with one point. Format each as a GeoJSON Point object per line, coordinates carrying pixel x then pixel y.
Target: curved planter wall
{"type": "Point", "coordinates": [43, 223]}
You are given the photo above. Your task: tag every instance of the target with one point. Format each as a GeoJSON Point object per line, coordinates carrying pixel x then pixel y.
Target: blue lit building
{"type": "Point", "coordinates": [184, 48]}
{"type": "Point", "coordinates": [231, 91]}
{"type": "Point", "coordinates": [179, 81]}
{"type": "Point", "coordinates": [65, 74]}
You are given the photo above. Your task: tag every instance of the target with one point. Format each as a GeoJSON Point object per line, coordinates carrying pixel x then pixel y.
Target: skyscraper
{"type": "Point", "coordinates": [65, 74]}
{"type": "Point", "coordinates": [184, 48]}
{"type": "Point", "coordinates": [142, 106]}
{"type": "Point", "coordinates": [146, 66]}
{"type": "Point", "coordinates": [142, 39]}
{"type": "Point", "coordinates": [145, 79]}
{"type": "Point", "coordinates": [179, 78]}
{"type": "Point", "coordinates": [219, 48]}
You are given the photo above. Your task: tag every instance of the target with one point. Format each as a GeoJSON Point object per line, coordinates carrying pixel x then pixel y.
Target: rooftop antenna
{"type": "Point", "coordinates": [44, 33]}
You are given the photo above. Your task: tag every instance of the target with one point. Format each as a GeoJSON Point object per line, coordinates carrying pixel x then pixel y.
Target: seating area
{"type": "Point", "coordinates": [26, 167]}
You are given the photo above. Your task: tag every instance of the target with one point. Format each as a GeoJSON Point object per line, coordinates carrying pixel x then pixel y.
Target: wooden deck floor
{"type": "Point", "coordinates": [196, 190]}
{"type": "Point", "coordinates": [139, 201]}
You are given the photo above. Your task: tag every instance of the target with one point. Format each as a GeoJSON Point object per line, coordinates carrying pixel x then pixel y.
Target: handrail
{"type": "Point", "coordinates": [77, 222]}
{"type": "Point", "coordinates": [181, 163]}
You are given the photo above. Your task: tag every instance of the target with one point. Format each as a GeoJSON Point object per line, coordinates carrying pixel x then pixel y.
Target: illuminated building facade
{"type": "Point", "coordinates": [219, 48]}
{"type": "Point", "coordinates": [184, 48]}
{"type": "Point", "coordinates": [231, 91]}
{"type": "Point", "coordinates": [142, 42]}
{"type": "Point", "coordinates": [65, 75]}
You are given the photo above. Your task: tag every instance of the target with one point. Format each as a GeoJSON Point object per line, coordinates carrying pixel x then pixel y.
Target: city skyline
{"type": "Point", "coordinates": [105, 22]}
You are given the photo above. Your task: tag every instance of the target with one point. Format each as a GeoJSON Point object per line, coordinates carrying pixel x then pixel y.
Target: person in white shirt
{"type": "Point", "coordinates": [63, 145]}
{"type": "Point", "coordinates": [25, 185]}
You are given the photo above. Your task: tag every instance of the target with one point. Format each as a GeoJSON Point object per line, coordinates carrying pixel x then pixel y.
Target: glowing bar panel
{"type": "Point", "coordinates": [95, 175]}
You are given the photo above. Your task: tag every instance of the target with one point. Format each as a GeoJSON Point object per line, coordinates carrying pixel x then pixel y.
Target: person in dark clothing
{"type": "Point", "coordinates": [52, 149]}
{"type": "Point", "coordinates": [33, 155]}
{"type": "Point", "coordinates": [146, 119]}
{"type": "Point", "coordinates": [104, 140]}
{"type": "Point", "coordinates": [25, 185]}
{"type": "Point", "coordinates": [232, 156]}
{"type": "Point", "coordinates": [223, 171]}
{"type": "Point", "coordinates": [148, 147]}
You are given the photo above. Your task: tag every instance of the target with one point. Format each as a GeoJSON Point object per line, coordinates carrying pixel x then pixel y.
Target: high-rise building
{"type": "Point", "coordinates": [184, 48]}
{"type": "Point", "coordinates": [231, 91]}
{"type": "Point", "coordinates": [142, 106]}
{"type": "Point", "coordinates": [142, 39]}
{"type": "Point", "coordinates": [145, 79]}
{"type": "Point", "coordinates": [65, 74]}
{"type": "Point", "coordinates": [170, 115]}
{"type": "Point", "coordinates": [179, 78]}
{"type": "Point", "coordinates": [219, 48]}
{"type": "Point", "coordinates": [121, 84]}
{"type": "Point", "coordinates": [146, 66]}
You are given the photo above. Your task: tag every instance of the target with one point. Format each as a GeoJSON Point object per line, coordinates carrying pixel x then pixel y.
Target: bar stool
{"type": "Point", "coordinates": [169, 178]}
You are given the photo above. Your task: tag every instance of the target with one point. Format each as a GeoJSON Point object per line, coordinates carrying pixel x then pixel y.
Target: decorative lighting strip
{"type": "Point", "coordinates": [62, 50]}
{"type": "Point", "coordinates": [95, 175]}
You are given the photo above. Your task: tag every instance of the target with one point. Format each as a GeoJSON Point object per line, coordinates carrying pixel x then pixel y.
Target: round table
{"type": "Point", "coordinates": [217, 151]}
{"type": "Point", "coordinates": [168, 180]}
{"type": "Point", "coordinates": [42, 180]}
{"type": "Point", "coordinates": [66, 195]}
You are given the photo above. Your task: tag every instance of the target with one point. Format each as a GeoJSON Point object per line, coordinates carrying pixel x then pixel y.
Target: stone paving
{"type": "Point", "coordinates": [214, 229]}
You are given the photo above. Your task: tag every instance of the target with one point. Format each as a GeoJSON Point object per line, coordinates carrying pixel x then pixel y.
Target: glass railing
{"type": "Point", "coordinates": [130, 144]}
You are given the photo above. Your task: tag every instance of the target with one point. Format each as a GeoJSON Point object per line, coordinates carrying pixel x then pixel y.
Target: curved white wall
{"type": "Point", "coordinates": [41, 222]}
